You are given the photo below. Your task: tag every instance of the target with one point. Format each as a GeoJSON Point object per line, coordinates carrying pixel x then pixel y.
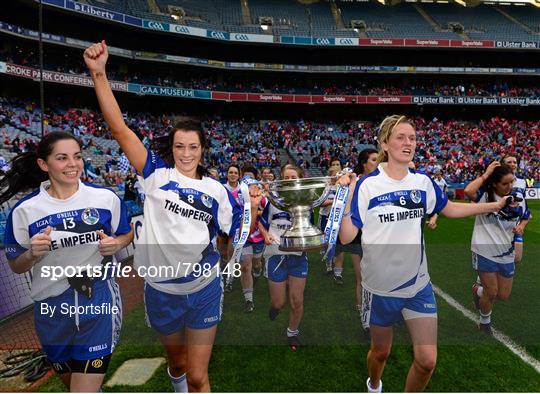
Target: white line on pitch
{"type": "Point", "coordinates": [498, 335]}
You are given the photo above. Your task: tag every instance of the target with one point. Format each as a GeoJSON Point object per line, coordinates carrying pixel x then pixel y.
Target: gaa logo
{"type": "Point", "coordinates": [241, 37]}
{"type": "Point", "coordinates": [156, 26]}
{"type": "Point", "coordinates": [182, 29]}
{"type": "Point", "coordinates": [97, 363]}
{"type": "Point", "coordinates": [346, 41]}
{"type": "Point", "coordinates": [322, 41]}
{"type": "Point", "coordinates": [219, 35]}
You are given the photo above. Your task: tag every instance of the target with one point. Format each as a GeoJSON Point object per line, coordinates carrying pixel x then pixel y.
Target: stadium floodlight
{"type": "Point", "coordinates": [265, 22]}
{"type": "Point", "coordinates": [461, 2]}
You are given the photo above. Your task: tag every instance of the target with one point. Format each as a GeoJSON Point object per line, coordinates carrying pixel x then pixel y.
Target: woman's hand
{"type": "Point", "coordinates": [255, 195]}
{"type": "Point", "coordinates": [490, 169]}
{"type": "Point", "coordinates": [41, 243]}
{"type": "Point", "coordinates": [108, 245]}
{"type": "Point", "coordinates": [95, 57]}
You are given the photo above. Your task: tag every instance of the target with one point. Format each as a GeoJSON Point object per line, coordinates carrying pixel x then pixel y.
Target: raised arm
{"type": "Point", "coordinates": [95, 57]}
{"type": "Point", "coordinates": [472, 187]}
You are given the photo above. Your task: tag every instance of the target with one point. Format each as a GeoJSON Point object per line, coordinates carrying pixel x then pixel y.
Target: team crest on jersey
{"type": "Point", "coordinates": [206, 200]}
{"type": "Point", "coordinates": [415, 196]}
{"type": "Point", "coordinates": [90, 216]}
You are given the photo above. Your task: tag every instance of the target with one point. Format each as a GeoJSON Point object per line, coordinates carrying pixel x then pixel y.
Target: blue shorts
{"type": "Point", "coordinates": [386, 311]}
{"type": "Point", "coordinates": [280, 266]}
{"type": "Point", "coordinates": [253, 249]}
{"type": "Point", "coordinates": [482, 264]}
{"type": "Point", "coordinates": [93, 329]}
{"type": "Point", "coordinates": [168, 313]}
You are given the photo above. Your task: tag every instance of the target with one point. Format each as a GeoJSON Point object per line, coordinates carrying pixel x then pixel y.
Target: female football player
{"type": "Point", "coordinates": [390, 206]}
{"type": "Point", "coordinates": [183, 212]}
{"type": "Point", "coordinates": [71, 229]}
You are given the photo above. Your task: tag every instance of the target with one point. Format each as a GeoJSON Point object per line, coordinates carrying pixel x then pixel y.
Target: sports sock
{"type": "Point", "coordinates": [485, 318]}
{"type": "Point", "coordinates": [292, 333]}
{"type": "Point", "coordinates": [248, 294]}
{"type": "Point", "coordinates": [179, 384]}
{"type": "Point", "coordinates": [371, 389]}
{"type": "Point", "coordinates": [338, 271]}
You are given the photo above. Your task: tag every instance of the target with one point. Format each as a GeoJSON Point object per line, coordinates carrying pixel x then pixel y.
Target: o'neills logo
{"type": "Point", "coordinates": [272, 97]}
{"type": "Point", "coordinates": [334, 99]}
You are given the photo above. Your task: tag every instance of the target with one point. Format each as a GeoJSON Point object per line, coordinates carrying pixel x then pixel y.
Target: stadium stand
{"type": "Point", "coordinates": [399, 21]}
{"type": "Point", "coordinates": [479, 23]}
{"type": "Point", "coordinates": [371, 19]}
{"type": "Point", "coordinates": [459, 148]}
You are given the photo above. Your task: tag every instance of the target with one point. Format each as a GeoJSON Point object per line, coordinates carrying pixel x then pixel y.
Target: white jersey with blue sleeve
{"type": "Point", "coordinates": [392, 214]}
{"type": "Point", "coordinates": [182, 216]}
{"type": "Point", "coordinates": [492, 235]}
{"type": "Point", "coordinates": [276, 222]}
{"type": "Point", "coordinates": [74, 223]}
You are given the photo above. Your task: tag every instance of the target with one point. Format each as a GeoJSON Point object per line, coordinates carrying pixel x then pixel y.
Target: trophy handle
{"type": "Point", "coordinates": [323, 197]}
{"type": "Point", "coordinates": [276, 201]}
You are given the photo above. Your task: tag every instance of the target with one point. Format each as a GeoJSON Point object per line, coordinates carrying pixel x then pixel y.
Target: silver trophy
{"type": "Point", "coordinates": [299, 197]}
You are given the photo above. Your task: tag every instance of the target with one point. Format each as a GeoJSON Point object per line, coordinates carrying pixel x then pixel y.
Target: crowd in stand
{"type": "Point", "coordinates": [461, 150]}
{"type": "Point", "coordinates": [364, 85]}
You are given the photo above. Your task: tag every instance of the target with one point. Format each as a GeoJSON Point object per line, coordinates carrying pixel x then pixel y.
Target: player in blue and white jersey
{"type": "Point", "coordinates": [519, 187]}
{"type": "Point", "coordinates": [183, 212]}
{"type": "Point", "coordinates": [284, 268]}
{"type": "Point", "coordinates": [492, 242]}
{"type": "Point", "coordinates": [71, 230]}
{"type": "Point", "coordinates": [390, 205]}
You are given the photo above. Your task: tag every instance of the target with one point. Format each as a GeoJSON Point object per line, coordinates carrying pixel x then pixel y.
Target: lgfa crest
{"type": "Point", "coordinates": [90, 216]}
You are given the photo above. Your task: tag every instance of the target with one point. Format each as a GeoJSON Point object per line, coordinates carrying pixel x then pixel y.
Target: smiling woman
{"type": "Point", "coordinates": [184, 211]}
{"type": "Point", "coordinates": [62, 222]}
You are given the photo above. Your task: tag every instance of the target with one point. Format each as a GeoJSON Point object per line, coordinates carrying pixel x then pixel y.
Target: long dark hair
{"type": "Point", "coordinates": [25, 173]}
{"type": "Point", "coordinates": [163, 145]}
{"type": "Point", "coordinates": [489, 184]}
{"type": "Point", "coordinates": [363, 158]}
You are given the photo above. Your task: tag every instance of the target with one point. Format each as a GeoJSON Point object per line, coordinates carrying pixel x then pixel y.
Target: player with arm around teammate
{"type": "Point", "coordinates": [492, 241]}
{"type": "Point", "coordinates": [183, 212]}
{"type": "Point", "coordinates": [390, 206]}
{"type": "Point", "coordinates": [71, 229]}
